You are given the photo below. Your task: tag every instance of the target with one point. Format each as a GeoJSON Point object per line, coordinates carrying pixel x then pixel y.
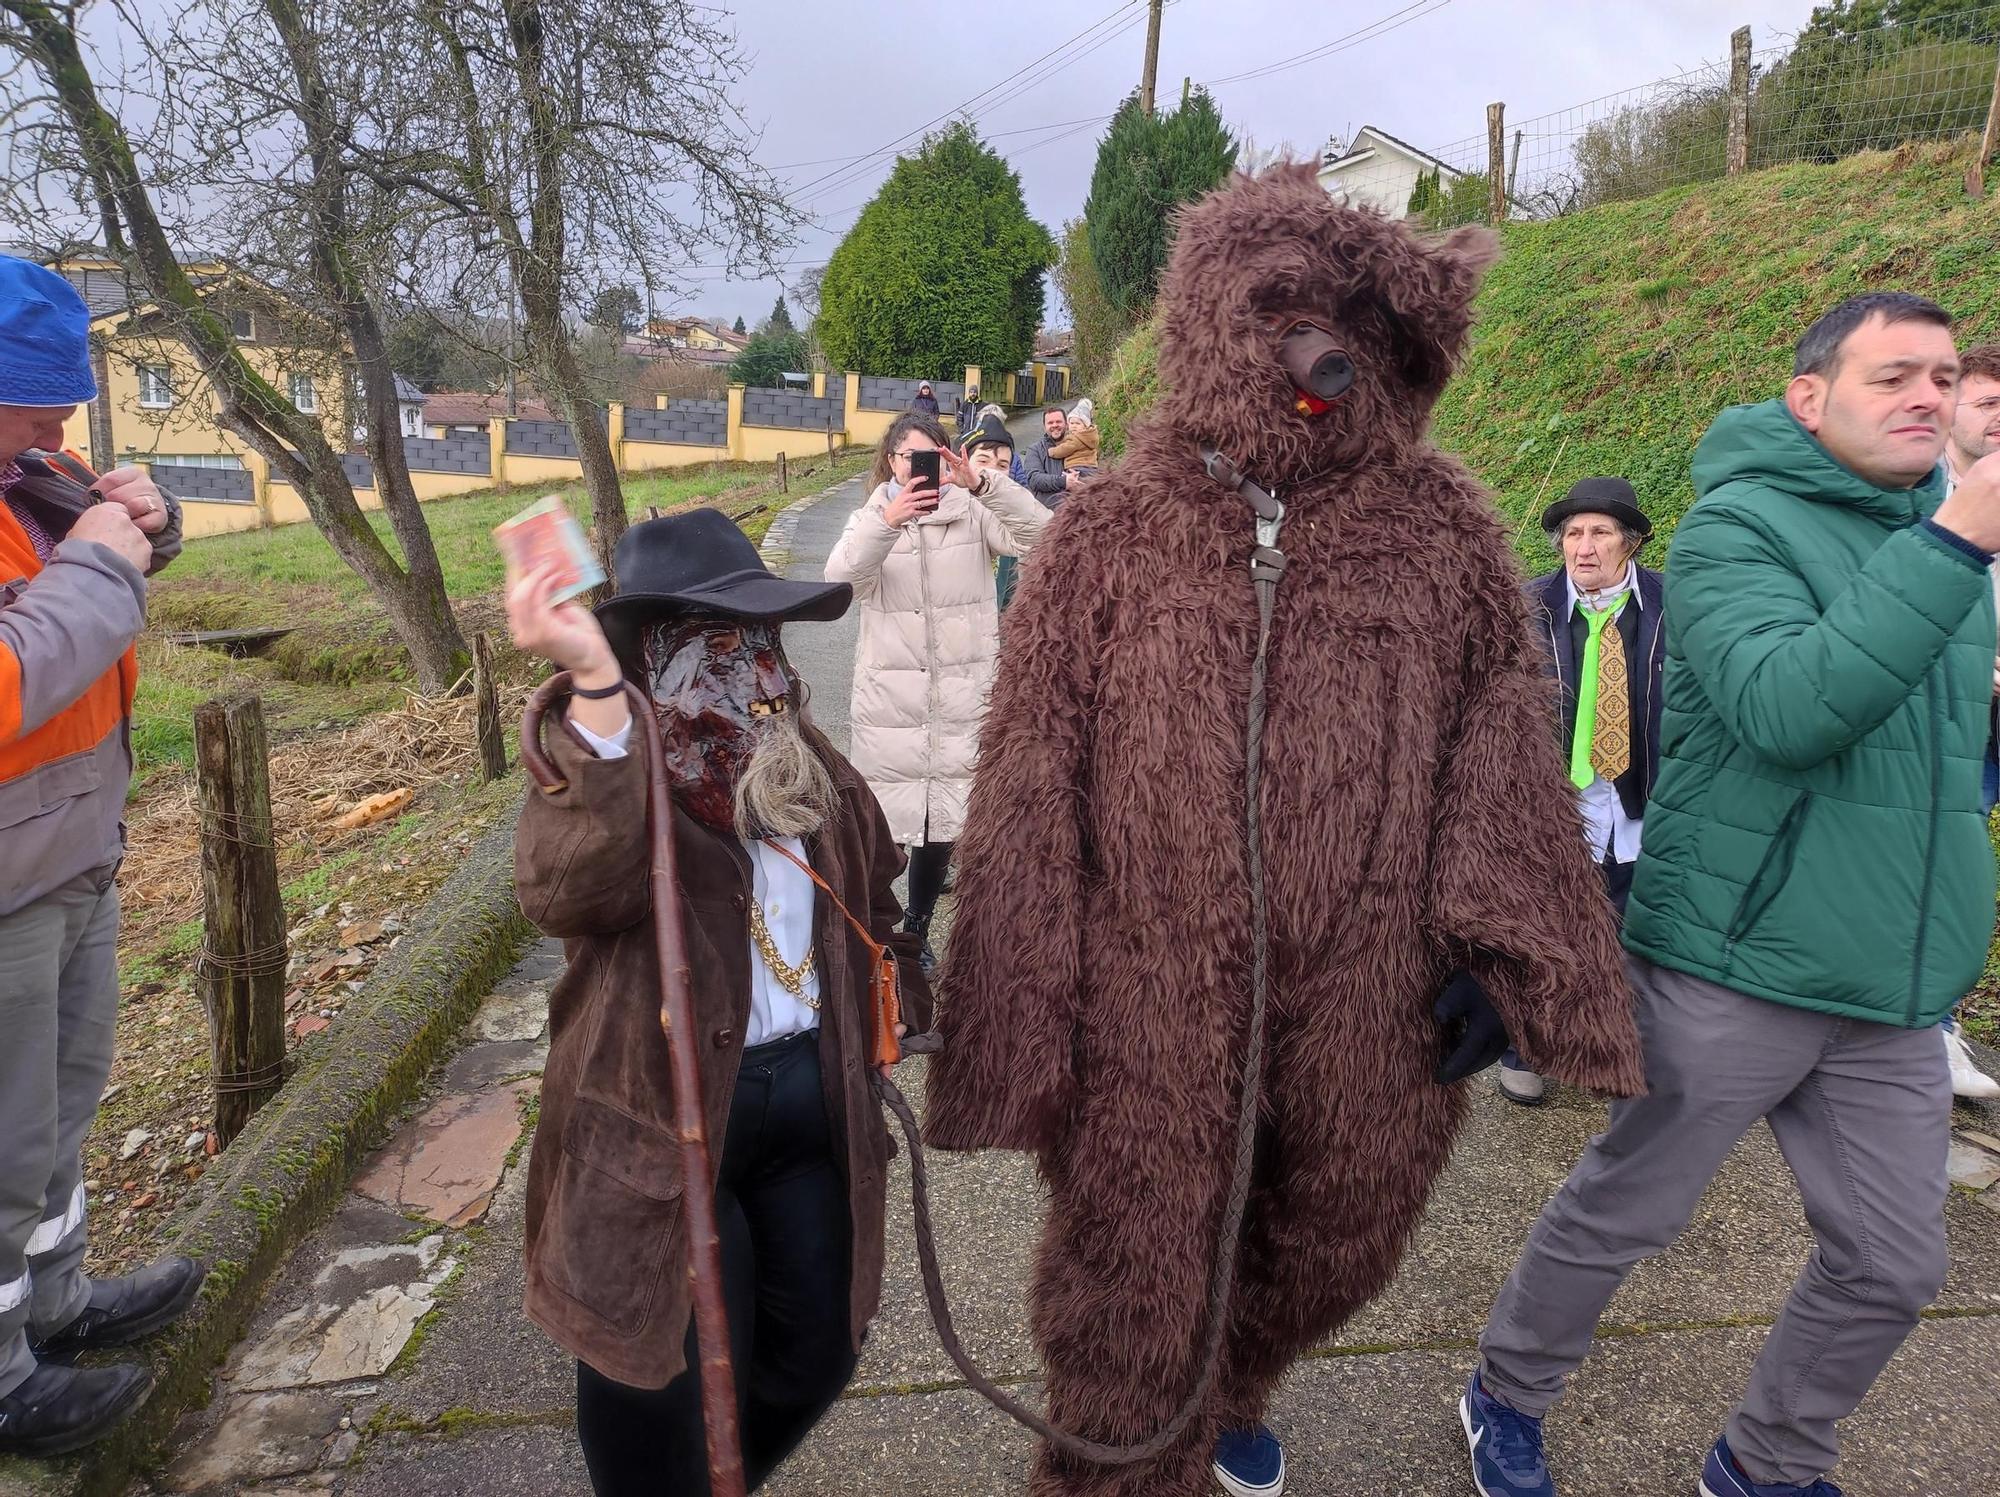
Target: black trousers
{"type": "Point", "coordinates": [781, 1205]}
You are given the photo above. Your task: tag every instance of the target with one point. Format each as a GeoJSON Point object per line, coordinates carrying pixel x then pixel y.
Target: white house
{"type": "Point", "coordinates": [1377, 169]}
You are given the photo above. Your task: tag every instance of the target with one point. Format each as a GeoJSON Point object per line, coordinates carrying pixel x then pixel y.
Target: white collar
{"type": "Point", "coordinates": [1610, 595]}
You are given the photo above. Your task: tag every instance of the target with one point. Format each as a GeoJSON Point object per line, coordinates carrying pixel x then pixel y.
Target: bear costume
{"type": "Point", "coordinates": [1416, 822]}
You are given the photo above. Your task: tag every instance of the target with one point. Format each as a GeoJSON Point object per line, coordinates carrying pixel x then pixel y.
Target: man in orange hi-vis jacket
{"type": "Point", "coordinates": [75, 551]}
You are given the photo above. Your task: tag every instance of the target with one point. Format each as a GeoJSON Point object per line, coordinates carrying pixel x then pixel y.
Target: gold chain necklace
{"type": "Point", "coordinates": [791, 979]}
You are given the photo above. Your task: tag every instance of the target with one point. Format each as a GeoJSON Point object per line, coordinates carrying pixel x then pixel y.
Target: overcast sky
{"type": "Point", "coordinates": [842, 79]}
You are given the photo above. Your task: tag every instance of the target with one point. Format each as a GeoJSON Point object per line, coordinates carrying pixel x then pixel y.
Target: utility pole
{"type": "Point", "coordinates": [1147, 78]}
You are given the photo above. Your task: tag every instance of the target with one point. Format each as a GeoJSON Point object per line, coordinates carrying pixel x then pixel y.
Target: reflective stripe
{"type": "Point", "coordinates": [50, 1234]}
{"type": "Point", "coordinates": [12, 1293]}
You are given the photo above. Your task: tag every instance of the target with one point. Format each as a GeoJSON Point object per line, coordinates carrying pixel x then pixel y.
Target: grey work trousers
{"type": "Point", "coordinates": [1862, 1113]}
{"type": "Point", "coordinates": [58, 1024]}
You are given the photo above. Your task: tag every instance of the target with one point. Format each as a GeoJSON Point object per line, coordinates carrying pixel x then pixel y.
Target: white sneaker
{"type": "Point", "coordinates": [1967, 1080]}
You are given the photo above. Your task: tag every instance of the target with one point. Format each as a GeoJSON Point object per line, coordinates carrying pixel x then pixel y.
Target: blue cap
{"type": "Point", "coordinates": [44, 338]}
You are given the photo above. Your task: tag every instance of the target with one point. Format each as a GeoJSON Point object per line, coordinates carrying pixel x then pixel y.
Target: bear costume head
{"type": "Point", "coordinates": [1262, 252]}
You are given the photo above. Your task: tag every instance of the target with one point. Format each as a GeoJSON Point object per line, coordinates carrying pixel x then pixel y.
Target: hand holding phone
{"type": "Point", "coordinates": [925, 468]}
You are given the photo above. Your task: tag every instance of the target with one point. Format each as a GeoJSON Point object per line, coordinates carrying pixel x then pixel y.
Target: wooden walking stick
{"type": "Point", "coordinates": [711, 1318]}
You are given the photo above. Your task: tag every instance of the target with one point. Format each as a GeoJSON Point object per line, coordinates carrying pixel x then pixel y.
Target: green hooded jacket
{"type": "Point", "coordinates": [1815, 836]}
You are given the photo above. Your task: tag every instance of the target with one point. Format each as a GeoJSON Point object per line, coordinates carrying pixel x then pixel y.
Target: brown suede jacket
{"type": "Point", "coordinates": [606, 1244]}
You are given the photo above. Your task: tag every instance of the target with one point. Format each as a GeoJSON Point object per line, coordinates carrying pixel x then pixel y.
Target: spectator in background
{"type": "Point", "coordinates": [1816, 894]}
{"type": "Point", "coordinates": [926, 403]}
{"type": "Point", "coordinates": [1046, 478]}
{"type": "Point", "coordinates": [73, 569]}
{"type": "Point", "coordinates": [1600, 623]}
{"type": "Point", "coordinates": [921, 562]}
{"type": "Point", "coordinates": [966, 415]}
{"type": "Point", "coordinates": [1975, 433]}
{"type": "Point", "coordinates": [1077, 451]}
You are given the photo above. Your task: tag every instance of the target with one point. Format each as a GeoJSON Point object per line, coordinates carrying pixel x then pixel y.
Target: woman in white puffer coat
{"type": "Point", "coordinates": [921, 563]}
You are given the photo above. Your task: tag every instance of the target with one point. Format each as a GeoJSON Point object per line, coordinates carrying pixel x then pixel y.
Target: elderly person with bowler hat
{"type": "Point", "coordinates": [775, 834]}
{"type": "Point", "coordinates": [76, 549]}
{"type": "Point", "coordinates": [1600, 618]}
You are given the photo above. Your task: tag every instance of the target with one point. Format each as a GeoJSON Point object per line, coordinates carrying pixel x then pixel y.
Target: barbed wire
{"type": "Point", "coordinates": [1811, 97]}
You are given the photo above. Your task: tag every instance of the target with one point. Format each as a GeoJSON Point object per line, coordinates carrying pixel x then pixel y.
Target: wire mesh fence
{"type": "Point", "coordinates": [1816, 96]}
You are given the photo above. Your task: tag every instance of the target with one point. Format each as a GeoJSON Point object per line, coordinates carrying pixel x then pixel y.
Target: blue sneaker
{"type": "Point", "coordinates": [1506, 1447]}
{"type": "Point", "coordinates": [1250, 1462]}
{"type": "Point", "coordinates": [1722, 1477]}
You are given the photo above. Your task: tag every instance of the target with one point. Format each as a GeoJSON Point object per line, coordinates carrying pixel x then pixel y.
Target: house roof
{"type": "Point", "coordinates": [407, 392]}
{"type": "Point", "coordinates": [1358, 152]}
{"type": "Point", "coordinates": [642, 347]}
{"type": "Point", "coordinates": [472, 408]}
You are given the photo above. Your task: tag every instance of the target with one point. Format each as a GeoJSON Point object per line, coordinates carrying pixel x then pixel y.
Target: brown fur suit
{"type": "Point", "coordinates": [1416, 817]}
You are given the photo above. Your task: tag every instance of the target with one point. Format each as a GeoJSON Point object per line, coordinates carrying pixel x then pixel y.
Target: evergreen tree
{"type": "Point", "coordinates": [780, 320]}
{"type": "Point", "coordinates": [1146, 167]}
{"type": "Point", "coordinates": [942, 269]}
{"type": "Point", "coordinates": [739, 322]}
{"type": "Point", "coordinates": [770, 354]}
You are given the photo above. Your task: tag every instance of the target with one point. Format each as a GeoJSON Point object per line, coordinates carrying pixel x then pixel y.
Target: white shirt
{"type": "Point", "coordinates": [786, 896]}
{"type": "Point", "coordinates": [1606, 827]}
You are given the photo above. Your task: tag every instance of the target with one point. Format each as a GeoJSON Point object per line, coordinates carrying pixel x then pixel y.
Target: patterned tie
{"type": "Point", "coordinates": [1611, 734]}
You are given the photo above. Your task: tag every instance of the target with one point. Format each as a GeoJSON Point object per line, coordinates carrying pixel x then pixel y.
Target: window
{"type": "Point", "coordinates": [156, 390]}
{"type": "Point", "coordinates": [413, 419]}
{"type": "Point", "coordinates": [220, 461]}
{"type": "Point", "coordinates": [304, 396]}
{"type": "Point", "coordinates": [244, 325]}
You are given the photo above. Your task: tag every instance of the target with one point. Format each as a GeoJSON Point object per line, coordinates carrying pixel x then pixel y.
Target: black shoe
{"type": "Point", "coordinates": [124, 1309]}
{"type": "Point", "coordinates": [927, 959]}
{"type": "Point", "coordinates": [60, 1409]}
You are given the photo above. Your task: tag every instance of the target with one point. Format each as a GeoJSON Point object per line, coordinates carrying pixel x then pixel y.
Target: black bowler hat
{"type": "Point", "coordinates": [700, 562]}
{"type": "Point", "coordinates": [1600, 496]}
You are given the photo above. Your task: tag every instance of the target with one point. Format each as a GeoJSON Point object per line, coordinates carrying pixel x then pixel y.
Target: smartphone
{"type": "Point", "coordinates": [924, 469]}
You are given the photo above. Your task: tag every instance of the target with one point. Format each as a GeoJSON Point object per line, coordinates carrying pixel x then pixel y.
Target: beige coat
{"type": "Point", "coordinates": [930, 633]}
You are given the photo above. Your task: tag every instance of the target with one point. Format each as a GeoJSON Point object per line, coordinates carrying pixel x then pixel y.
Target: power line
{"type": "Point", "coordinates": [1374, 29]}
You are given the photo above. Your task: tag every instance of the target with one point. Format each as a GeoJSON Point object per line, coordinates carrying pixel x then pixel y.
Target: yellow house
{"type": "Point", "coordinates": [154, 405]}
{"type": "Point", "coordinates": [694, 334]}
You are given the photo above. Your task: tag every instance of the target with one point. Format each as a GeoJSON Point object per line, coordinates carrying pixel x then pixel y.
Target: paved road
{"type": "Point", "coordinates": [392, 1360]}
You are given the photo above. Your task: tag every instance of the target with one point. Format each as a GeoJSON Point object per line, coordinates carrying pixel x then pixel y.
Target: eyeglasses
{"type": "Point", "coordinates": [909, 452]}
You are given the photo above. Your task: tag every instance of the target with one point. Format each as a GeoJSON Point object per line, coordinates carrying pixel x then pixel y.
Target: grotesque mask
{"type": "Point", "coordinates": [727, 704]}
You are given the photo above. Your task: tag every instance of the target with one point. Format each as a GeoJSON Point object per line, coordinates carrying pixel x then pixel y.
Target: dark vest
{"type": "Point", "coordinates": [1562, 633]}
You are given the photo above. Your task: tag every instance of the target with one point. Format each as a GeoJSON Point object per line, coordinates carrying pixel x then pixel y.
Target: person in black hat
{"type": "Point", "coordinates": [1601, 620]}
{"type": "Point", "coordinates": [780, 990]}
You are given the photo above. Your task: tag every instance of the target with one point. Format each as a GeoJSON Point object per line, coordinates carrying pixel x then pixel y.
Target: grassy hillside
{"type": "Point", "coordinates": [1607, 341]}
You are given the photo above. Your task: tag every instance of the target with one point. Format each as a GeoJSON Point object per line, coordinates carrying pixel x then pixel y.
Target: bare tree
{"type": "Point", "coordinates": [577, 143]}
{"type": "Point", "coordinates": [281, 133]}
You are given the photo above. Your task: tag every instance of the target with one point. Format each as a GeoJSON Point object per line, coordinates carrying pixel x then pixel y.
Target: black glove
{"type": "Point", "coordinates": [1472, 1035]}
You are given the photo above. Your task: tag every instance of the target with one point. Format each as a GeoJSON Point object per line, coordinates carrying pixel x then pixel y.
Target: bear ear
{"type": "Point", "coordinates": [1432, 299]}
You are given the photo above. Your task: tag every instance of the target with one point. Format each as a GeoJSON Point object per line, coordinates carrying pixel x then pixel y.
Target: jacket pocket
{"type": "Point", "coordinates": [1771, 875]}
{"type": "Point", "coordinates": [47, 787]}
{"type": "Point", "coordinates": [615, 1209]}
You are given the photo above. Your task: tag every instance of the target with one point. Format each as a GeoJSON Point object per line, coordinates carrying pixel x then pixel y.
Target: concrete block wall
{"type": "Point", "coordinates": [541, 439]}
{"type": "Point", "coordinates": [788, 408]}
{"type": "Point", "coordinates": [836, 389]}
{"type": "Point", "coordinates": [472, 454]}
{"type": "Point", "coordinates": [692, 423]}
{"type": "Point", "coordinates": [223, 485]}
{"type": "Point", "coordinates": [879, 394]}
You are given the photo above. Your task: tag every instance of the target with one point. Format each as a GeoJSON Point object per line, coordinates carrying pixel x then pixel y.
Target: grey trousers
{"type": "Point", "coordinates": [58, 1023]}
{"type": "Point", "coordinates": [1862, 1113]}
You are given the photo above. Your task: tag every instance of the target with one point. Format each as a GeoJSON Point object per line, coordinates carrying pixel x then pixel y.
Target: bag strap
{"type": "Point", "coordinates": [867, 937]}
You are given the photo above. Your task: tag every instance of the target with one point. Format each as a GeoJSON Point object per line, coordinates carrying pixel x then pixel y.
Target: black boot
{"type": "Point", "coordinates": [124, 1309]}
{"type": "Point", "coordinates": [921, 929]}
{"type": "Point", "coordinates": [59, 1409]}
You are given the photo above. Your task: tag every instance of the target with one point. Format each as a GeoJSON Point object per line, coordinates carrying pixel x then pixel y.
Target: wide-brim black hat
{"type": "Point", "coordinates": [1600, 496]}
{"type": "Point", "coordinates": [992, 432]}
{"type": "Point", "coordinates": [700, 562]}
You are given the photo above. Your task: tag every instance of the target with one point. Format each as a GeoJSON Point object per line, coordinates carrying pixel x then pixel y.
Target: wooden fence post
{"type": "Point", "coordinates": [1496, 164]}
{"type": "Point", "coordinates": [241, 969]}
{"type": "Point", "coordinates": [784, 476]}
{"type": "Point", "coordinates": [1975, 179]}
{"type": "Point", "coordinates": [1739, 101]}
{"type": "Point", "coordinates": [492, 740]}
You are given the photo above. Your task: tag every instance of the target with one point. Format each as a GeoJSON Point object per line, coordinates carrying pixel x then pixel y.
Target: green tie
{"type": "Point", "coordinates": [1581, 769]}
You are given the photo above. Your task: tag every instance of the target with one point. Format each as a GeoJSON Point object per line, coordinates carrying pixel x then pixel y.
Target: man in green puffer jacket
{"type": "Point", "coordinates": [1816, 891]}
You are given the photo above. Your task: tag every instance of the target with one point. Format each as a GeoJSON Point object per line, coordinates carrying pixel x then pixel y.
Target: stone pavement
{"type": "Point", "coordinates": [392, 1360]}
